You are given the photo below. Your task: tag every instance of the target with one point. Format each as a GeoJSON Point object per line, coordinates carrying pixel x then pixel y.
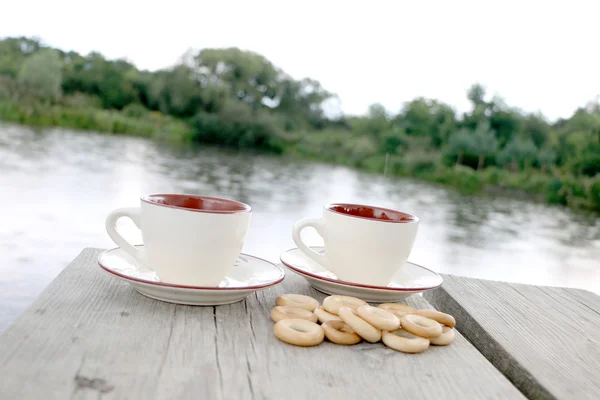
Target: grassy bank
{"type": "Point", "coordinates": [145, 124]}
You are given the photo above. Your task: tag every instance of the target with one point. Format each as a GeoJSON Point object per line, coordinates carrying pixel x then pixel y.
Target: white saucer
{"type": "Point", "coordinates": [248, 275]}
{"type": "Point", "coordinates": [410, 279]}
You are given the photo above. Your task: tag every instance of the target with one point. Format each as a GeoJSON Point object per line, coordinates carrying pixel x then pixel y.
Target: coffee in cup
{"type": "Point", "coordinates": [363, 244]}
{"type": "Point", "coordinates": [188, 240]}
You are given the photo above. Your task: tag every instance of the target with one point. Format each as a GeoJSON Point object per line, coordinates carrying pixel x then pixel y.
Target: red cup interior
{"type": "Point", "coordinates": [197, 203]}
{"type": "Point", "coordinates": [373, 213]}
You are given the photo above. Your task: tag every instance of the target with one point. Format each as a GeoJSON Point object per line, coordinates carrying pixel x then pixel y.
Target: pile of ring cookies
{"type": "Point", "coordinates": [348, 320]}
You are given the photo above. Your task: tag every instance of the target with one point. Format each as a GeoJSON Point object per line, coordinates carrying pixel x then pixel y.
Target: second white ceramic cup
{"type": "Point", "coordinates": [363, 244]}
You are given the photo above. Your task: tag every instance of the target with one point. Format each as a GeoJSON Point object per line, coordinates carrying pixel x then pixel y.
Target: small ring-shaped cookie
{"type": "Point", "coordinates": [299, 332]}
{"type": "Point", "coordinates": [442, 318]}
{"type": "Point", "coordinates": [297, 300]}
{"type": "Point", "coordinates": [359, 325]}
{"type": "Point", "coordinates": [421, 326]}
{"type": "Point", "coordinates": [445, 338]}
{"type": "Point", "coordinates": [379, 318]}
{"type": "Point", "coordinates": [286, 312]}
{"type": "Point", "coordinates": [333, 303]}
{"type": "Point", "coordinates": [404, 341]}
{"type": "Point", "coordinates": [397, 313]}
{"type": "Point", "coordinates": [340, 332]}
{"type": "Point", "coordinates": [398, 309]}
{"type": "Point", "coordinates": [324, 316]}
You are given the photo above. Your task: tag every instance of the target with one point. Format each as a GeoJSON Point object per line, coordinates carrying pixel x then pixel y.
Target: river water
{"type": "Point", "coordinates": [57, 186]}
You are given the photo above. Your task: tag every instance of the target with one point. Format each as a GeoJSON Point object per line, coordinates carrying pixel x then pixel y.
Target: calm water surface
{"type": "Point", "coordinates": [57, 186]}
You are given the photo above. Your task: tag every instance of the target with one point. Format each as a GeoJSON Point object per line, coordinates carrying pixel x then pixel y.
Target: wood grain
{"type": "Point", "coordinates": [546, 340]}
{"type": "Point", "coordinates": [90, 335]}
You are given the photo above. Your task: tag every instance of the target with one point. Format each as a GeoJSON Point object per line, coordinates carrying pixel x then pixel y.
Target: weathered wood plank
{"type": "Point", "coordinates": [546, 340]}
{"type": "Point", "coordinates": [91, 336]}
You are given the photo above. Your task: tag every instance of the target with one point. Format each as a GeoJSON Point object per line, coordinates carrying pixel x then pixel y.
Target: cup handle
{"type": "Point", "coordinates": [318, 224]}
{"type": "Point", "coordinates": [111, 227]}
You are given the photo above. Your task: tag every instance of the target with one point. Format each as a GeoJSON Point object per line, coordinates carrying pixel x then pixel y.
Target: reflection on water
{"type": "Point", "coordinates": [57, 186]}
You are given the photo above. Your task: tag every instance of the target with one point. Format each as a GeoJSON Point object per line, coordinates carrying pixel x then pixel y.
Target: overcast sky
{"type": "Point", "coordinates": [538, 55]}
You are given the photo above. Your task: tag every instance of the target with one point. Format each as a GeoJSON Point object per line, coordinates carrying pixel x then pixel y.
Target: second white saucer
{"type": "Point", "coordinates": [410, 279]}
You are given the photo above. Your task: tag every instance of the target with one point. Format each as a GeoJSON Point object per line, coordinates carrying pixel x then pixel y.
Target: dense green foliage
{"type": "Point", "coordinates": [239, 98]}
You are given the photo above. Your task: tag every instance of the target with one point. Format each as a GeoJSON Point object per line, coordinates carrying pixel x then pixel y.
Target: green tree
{"type": "Point", "coordinates": [481, 108]}
{"type": "Point", "coordinates": [505, 123]}
{"type": "Point", "coordinates": [546, 158]}
{"type": "Point", "coordinates": [537, 129]}
{"type": "Point", "coordinates": [424, 117]}
{"type": "Point", "coordinates": [443, 123]}
{"type": "Point", "coordinates": [239, 125]}
{"type": "Point", "coordinates": [476, 94]}
{"type": "Point", "coordinates": [594, 193]}
{"type": "Point", "coordinates": [250, 77]}
{"type": "Point", "coordinates": [414, 117]}
{"type": "Point", "coordinates": [375, 124]}
{"type": "Point", "coordinates": [582, 121]}
{"type": "Point", "coordinates": [13, 52]}
{"type": "Point", "coordinates": [588, 163]}
{"type": "Point", "coordinates": [176, 92]}
{"type": "Point", "coordinates": [42, 71]}
{"type": "Point", "coordinates": [484, 142]}
{"type": "Point", "coordinates": [460, 143]}
{"type": "Point", "coordinates": [302, 101]}
{"type": "Point", "coordinates": [393, 140]}
{"type": "Point", "coordinates": [479, 143]}
{"type": "Point", "coordinates": [378, 120]}
{"type": "Point", "coordinates": [106, 79]}
{"type": "Point", "coordinates": [519, 152]}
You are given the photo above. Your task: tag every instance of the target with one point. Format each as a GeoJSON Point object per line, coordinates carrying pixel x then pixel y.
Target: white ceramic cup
{"type": "Point", "coordinates": [188, 240]}
{"type": "Point", "coordinates": [363, 244]}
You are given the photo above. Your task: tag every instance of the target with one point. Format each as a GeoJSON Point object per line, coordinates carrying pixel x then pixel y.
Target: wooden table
{"type": "Point", "coordinates": [92, 336]}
